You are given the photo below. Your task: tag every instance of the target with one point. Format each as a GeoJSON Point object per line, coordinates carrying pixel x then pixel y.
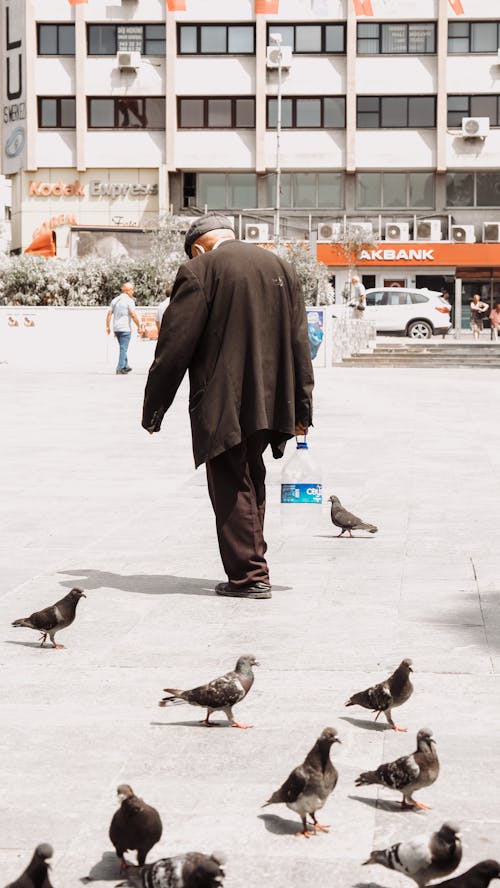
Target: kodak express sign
{"type": "Point", "coordinates": [55, 189]}
{"type": "Point", "coordinates": [404, 255]}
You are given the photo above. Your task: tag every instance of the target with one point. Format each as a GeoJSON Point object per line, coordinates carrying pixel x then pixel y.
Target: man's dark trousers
{"type": "Point", "coordinates": [236, 484]}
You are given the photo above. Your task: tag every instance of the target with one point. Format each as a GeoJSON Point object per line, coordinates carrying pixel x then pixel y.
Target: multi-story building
{"type": "Point", "coordinates": [390, 117]}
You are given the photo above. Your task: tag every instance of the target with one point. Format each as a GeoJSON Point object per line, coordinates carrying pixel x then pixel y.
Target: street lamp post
{"type": "Point", "coordinates": [276, 40]}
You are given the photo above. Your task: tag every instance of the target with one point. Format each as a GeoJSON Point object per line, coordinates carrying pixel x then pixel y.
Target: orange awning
{"type": "Point", "coordinates": [43, 245]}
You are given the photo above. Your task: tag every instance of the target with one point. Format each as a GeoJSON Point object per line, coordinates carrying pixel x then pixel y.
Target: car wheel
{"type": "Point", "coordinates": [419, 330]}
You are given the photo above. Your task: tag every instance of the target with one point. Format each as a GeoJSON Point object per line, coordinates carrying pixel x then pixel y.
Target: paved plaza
{"type": "Point", "coordinates": [90, 500]}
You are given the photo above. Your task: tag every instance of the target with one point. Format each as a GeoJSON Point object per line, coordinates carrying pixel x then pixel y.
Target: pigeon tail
{"type": "Point", "coordinates": [357, 699]}
{"type": "Point", "coordinates": [369, 527]}
{"type": "Point", "coordinates": [175, 700]}
{"type": "Point", "coordinates": [367, 778]}
{"type": "Point", "coordinates": [377, 857]}
{"type": "Point", "coordinates": [24, 621]}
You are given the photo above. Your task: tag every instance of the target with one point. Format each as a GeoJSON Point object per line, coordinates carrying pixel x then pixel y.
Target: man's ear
{"type": "Point", "coordinates": [200, 249]}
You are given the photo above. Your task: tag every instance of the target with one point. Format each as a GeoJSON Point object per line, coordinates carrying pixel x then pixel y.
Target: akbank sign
{"type": "Point", "coordinates": [397, 255]}
{"type": "Point", "coordinates": [14, 86]}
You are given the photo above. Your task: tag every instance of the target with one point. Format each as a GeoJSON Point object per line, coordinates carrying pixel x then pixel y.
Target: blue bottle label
{"type": "Point", "coordinates": [301, 493]}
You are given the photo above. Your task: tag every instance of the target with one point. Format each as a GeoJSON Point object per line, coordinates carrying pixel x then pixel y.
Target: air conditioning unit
{"type": "Point", "coordinates": [329, 231]}
{"type": "Point", "coordinates": [397, 231]}
{"type": "Point", "coordinates": [128, 61]}
{"type": "Point", "coordinates": [361, 229]}
{"type": "Point", "coordinates": [491, 232]}
{"type": "Point", "coordinates": [274, 53]}
{"type": "Point", "coordinates": [463, 234]}
{"type": "Point", "coordinates": [475, 127]}
{"type": "Point", "coordinates": [428, 230]}
{"type": "Point", "coordinates": [259, 233]}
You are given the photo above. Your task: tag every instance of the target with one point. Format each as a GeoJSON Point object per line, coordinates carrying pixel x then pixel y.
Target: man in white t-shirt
{"type": "Point", "coordinates": [122, 310]}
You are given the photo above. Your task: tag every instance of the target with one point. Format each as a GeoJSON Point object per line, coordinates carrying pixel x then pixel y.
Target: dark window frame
{"type": "Point", "coordinates": [116, 125]}
{"type": "Point", "coordinates": [387, 207]}
{"type": "Point", "coordinates": [468, 37]}
{"type": "Point", "coordinates": [227, 188]}
{"type": "Point", "coordinates": [475, 205]}
{"type": "Point", "coordinates": [117, 25]}
{"type": "Point", "coordinates": [58, 125]}
{"type": "Point", "coordinates": [294, 100]}
{"type": "Point", "coordinates": [379, 112]}
{"type": "Point", "coordinates": [273, 28]}
{"type": "Point", "coordinates": [206, 100]}
{"type": "Point", "coordinates": [468, 99]}
{"type": "Point", "coordinates": [380, 51]}
{"type": "Point", "coordinates": [294, 188]}
{"type": "Point", "coordinates": [199, 25]}
{"type": "Point", "coordinates": [58, 52]}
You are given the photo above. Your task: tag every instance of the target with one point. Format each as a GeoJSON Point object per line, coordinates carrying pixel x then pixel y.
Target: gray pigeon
{"type": "Point", "coordinates": [346, 520]}
{"type": "Point", "coordinates": [192, 870]}
{"type": "Point", "coordinates": [478, 876]}
{"type": "Point", "coordinates": [36, 874]}
{"type": "Point", "coordinates": [408, 773]}
{"type": "Point", "coordinates": [220, 694]}
{"type": "Point", "coordinates": [384, 697]}
{"type": "Point", "coordinates": [54, 618]}
{"type": "Point", "coordinates": [135, 826]}
{"type": "Point", "coordinates": [309, 785]}
{"type": "Point", "coordinates": [425, 857]}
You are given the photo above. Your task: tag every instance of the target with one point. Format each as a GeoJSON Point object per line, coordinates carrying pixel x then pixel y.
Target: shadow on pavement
{"type": "Point", "coordinates": [191, 724]}
{"type": "Point", "coordinates": [367, 885]}
{"type": "Point", "coordinates": [31, 644]}
{"type": "Point", "coordinates": [279, 826]}
{"type": "Point", "coordinates": [383, 805]}
{"type": "Point", "coordinates": [143, 584]}
{"type": "Point", "coordinates": [367, 725]}
{"type": "Point", "coordinates": [106, 870]}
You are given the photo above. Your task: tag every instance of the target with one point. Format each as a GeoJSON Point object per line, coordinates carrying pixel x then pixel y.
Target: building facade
{"type": "Point", "coordinates": [390, 118]}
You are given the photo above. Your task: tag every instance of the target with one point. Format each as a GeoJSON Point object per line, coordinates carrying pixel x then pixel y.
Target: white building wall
{"type": "Point", "coordinates": [215, 150]}
{"type": "Point", "coordinates": [306, 149]}
{"type": "Point", "coordinates": [215, 76]}
{"type": "Point", "coordinates": [377, 76]}
{"type": "Point", "coordinates": [396, 149]}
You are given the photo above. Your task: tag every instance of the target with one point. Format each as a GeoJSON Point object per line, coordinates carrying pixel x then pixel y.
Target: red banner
{"type": "Point", "coordinates": [176, 5]}
{"type": "Point", "coordinates": [266, 6]}
{"type": "Point", "coordinates": [457, 7]}
{"type": "Point", "coordinates": [363, 7]}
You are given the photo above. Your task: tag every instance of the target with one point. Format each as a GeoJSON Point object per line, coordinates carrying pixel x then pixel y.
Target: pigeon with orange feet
{"type": "Point", "coordinates": [408, 773]}
{"type": "Point", "coordinates": [221, 694]}
{"type": "Point", "coordinates": [384, 697]}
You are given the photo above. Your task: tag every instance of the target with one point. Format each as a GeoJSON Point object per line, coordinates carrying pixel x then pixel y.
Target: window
{"type": "Point", "coordinates": [418, 298]}
{"type": "Point", "coordinates": [307, 190]}
{"type": "Point", "coordinates": [377, 298]}
{"type": "Point", "coordinates": [126, 112]}
{"type": "Point", "coordinates": [396, 38]}
{"type": "Point", "coordinates": [466, 37]}
{"type": "Point", "coordinates": [219, 113]}
{"type": "Point", "coordinates": [216, 39]}
{"type": "Point", "coordinates": [393, 190]}
{"type": "Point", "coordinates": [468, 189]}
{"type": "Point", "coordinates": [305, 38]}
{"type": "Point", "coordinates": [56, 112]}
{"type": "Point", "coordinates": [301, 112]}
{"type": "Point", "coordinates": [231, 191]}
{"type": "Point", "coordinates": [56, 39]}
{"type": "Point", "coordinates": [396, 298]}
{"type": "Point", "coordinates": [110, 39]}
{"type": "Point", "coordinates": [473, 106]}
{"type": "Point", "coordinates": [396, 112]}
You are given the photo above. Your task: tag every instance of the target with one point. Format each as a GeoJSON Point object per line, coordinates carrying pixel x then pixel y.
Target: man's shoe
{"type": "Point", "coordinates": [121, 372]}
{"type": "Point", "coordinates": [127, 370]}
{"type": "Point", "coordinates": [256, 590]}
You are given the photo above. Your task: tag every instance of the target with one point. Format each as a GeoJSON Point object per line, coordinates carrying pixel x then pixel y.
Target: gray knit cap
{"type": "Point", "coordinates": [201, 226]}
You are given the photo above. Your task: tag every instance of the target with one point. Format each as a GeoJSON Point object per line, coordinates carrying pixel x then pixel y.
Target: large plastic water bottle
{"type": "Point", "coordinates": [301, 492]}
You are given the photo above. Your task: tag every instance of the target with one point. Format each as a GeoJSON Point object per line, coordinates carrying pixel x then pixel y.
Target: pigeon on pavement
{"type": "Point", "coordinates": [346, 520]}
{"type": "Point", "coordinates": [220, 694]}
{"type": "Point", "coordinates": [425, 857]}
{"type": "Point", "coordinates": [54, 618]}
{"type": "Point", "coordinates": [408, 773]}
{"type": "Point", "coordinates": [135, 826]}
{"type": "Point", "coordinates": [478, 876]}
{"type": "Point", "coordinates": [309, 785]}
{"type": "Point", "coordinates": [384, 697]}
{"type": "Point", "coordinates": [36, 874]}
{"type": "Point", "coordinates": [192, 870]}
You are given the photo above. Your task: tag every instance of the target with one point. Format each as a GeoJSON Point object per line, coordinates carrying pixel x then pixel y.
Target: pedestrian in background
{"type": "Point", "coordinates": [477, 309]}
{"type": "Point", "coordinates": [237, 322]}
{"type": "Point", "coordinates": [495, 321]}
{"type": "Point", "coordinates": [122, 310]}
{"type": "Point", "coordinates": [358, 298]}
{"type": "Point", "coordinates": [446, 296]}
{"type": "Point", "coordinates": [160, 311]}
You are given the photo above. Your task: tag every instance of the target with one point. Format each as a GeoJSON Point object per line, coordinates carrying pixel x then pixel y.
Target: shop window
{"type": "Point", "coordinates": [307, 112]}
{"type": "Point", "coordinates": [110, 39]}
{"type": "Point", "coordinates": [56, 39]}
{"type": "Point", "coordinates": [396, 38]}
{"type": "Point", "coordinates": [473, 106]}
{"type": "Point", "coordinates": [394, 190]}
{"type": "Point", "coordinates": [232, 191]}
{"type": "Point", "coordinates": [310, 38]}
{"type": "Point", "coordinates": [467, 37]}
{"type": "Point", "coordinates": [396, 112]}
{"type": "Point", "coordinates": [469, 189]}
{"type": "Point", "coordinates": [127, 112]}
{"type": "Point", "coordinates": [56, 112]}
{"type": "Point", "coordinates": [216, 39]}
{"type": "Point", "coordinates": [216, 113]}
{"type": "Point", "coordinates": [307, 190]}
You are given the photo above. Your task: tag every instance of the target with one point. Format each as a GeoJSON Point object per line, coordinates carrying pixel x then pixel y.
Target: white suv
{"type": "Point", "coordinates": [418, 314]}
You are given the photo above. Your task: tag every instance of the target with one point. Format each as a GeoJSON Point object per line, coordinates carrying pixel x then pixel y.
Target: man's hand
{"type": "Point", "coordinates": [108, 331]}
{"type": "Point", "coordinates": [301, 430]}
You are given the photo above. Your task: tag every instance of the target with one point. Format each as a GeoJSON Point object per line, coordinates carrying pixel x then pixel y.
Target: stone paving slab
{"type": "Point", "coordinates": [89, 499]}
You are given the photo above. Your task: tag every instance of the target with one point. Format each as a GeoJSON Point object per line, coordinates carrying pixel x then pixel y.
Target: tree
{"type": "Point", "coordinates": [312, 274]}
{"type": "Point", "coordinates": [350, 244]}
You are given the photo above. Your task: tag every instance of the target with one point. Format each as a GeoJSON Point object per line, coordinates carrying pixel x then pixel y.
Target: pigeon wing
{"type": "Point", "coordinates": [224, 691]}
{"type": "Point", "coordinates": [44, 620]}
{"type": "Point", "coordinates": [292, 788]}
{"type": "Point", "coordinates": [413, 856]}
{"type": "Point", "coordinates": [342, 518]}
{"type": "Point", "coordinates": [403, 772]}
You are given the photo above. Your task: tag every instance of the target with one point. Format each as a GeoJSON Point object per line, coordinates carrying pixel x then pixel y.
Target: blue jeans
{"type": "Point", "coordinates": [123, 341]}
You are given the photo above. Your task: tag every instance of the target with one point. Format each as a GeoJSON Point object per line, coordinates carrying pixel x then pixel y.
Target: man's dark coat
{"type": "Point", "coordinates": [237, 321]}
